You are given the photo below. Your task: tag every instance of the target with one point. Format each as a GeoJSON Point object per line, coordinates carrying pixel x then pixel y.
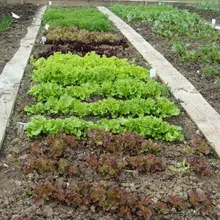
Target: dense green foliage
{"type": "Point", "coordinates": [170, 22]}
{"type": "Point", "coordinates": [145, 126]}
{"type": "Point", "coordinates": [161, 107]}
{"type": "Point", "coordinates": [66, 80]}
{"type": "Point", "coordinates": [4, 23]}
{"type": "Point", "coordinates": [122, 88]}
{"type": "Point", "coordinates": [83, 18]}
{"type": "Point", "coordinates": [191, 38]}
{"type": "Point", "coordinates": [69, 69]}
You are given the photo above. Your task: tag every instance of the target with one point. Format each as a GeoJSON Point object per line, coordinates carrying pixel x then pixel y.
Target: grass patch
{"type": "Point", "coordinates": [5, 22]}
{"type": "Point", "coordinates": [211, 71]}
{"type": "Point", "coordinates": [218, 83]}
{"type": "Point", "coordinates": [83, 18]}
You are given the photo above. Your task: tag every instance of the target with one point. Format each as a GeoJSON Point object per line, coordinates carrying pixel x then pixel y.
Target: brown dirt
{"type": "Point", "coordinates": [10, 39]}
{"type": "Point", "coordinates": [16, 199]}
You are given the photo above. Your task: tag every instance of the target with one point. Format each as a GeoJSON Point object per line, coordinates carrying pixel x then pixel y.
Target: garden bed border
{"type": "Point", "coordinates": [13, 71]}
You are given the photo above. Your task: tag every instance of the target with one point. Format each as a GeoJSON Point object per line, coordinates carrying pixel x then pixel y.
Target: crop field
{"type": "Point", "coordinates": [189, 43]}
{"type": "Point", "coordinates": [102, 139]}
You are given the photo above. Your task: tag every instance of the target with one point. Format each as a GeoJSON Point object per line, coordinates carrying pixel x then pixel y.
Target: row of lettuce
{"type": "Point", "coordinates": [80, 31]}
{"type": "Point", "coordinates": [105, 107]}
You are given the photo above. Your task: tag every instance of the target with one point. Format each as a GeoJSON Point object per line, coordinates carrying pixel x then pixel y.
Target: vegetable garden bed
{"type": "Point", "coordinates": [13, 30]}
{"type": "Point", "coordinates": [204, 11]}
{"type": "Point", "coordinates": [107, 144]}
{"type": "Point", "coordinates": [195, 55]}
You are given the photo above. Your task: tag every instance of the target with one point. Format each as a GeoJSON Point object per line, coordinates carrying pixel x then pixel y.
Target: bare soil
{"type": "Point", "coordinates": [16, 187]}
{"type": "Point", "coordinates": [10, 39]}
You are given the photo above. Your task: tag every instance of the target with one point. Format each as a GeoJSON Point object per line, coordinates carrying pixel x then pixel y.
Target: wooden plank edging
{"type": "Point", "coordinates": [13, 72]}
{"type": "Point", "coordinates": [198, 109]}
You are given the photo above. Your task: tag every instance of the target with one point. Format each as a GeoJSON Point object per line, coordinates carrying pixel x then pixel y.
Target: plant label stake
{"type": "Point", "coordinates": [47, 26]}
{"type": "Point", "coordinates": [43, 39]}
{"type": "Point", "coordinates": [159, 3]}
{"type": "Point", "coordinates": [14, 15]}
{"type": "Point", "coordinates": [50, 3]}
{"type": "Point", "coordinates": [129, 17]}
{"type": "Point", "coordinates": [213, 22]}
{"type": "Point", "coordinates": [21, 127]}
{"type": "Point", "coordinates": [153, 73]}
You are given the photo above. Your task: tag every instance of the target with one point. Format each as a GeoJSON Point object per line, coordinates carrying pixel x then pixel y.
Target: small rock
{"type": "Point", "coordinates": [15, 149]}
{"type": "Point", "coordinates": [17, 183]}
{"type": "Point", "coordinates": [173, 210]}
{"type": "Point", "coordinates": [6, 202]}
{"type": "Point", "coordinates": [23, 157]}
{"type": "Point", "coordinates": [16, 140]}
{"type": "Point", "coordinates": [81, 156]}
{"type": "Point", "coordinates": [14, 217]}
{"type": "Point", "coordinates": [197, 131]}
{"type": "Point", "coordinates": [30, 176]}
{"type": "Point", "coordinates": [70, 213]}
{"type": "Point", "coordinates": [5, 165]}
{"type": "Point", "coordinates": [92, 208]}
{"type": "Point", "coordinates": [27, 211]}
{"type": "Point", "coordinates": [9, 158]}
{"type": "Point", "coordinates": [177, 189]}
{"type": "Point", "coordinates": [48, 211]}
{"type": "Point", "coordinates": [60, 182]}
{"type": "Point", "coordinates": [128, 184]}
{"type": "Point", "coordinates": [135, 174]}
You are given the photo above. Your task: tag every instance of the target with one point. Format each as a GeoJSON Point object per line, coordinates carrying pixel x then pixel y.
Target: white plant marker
{"type": "Point", "coordinates": [14, 15]}
{"type": "Point", "coordinates": [43, 39]}
{"type": "Point", "coordinates": [50, 3]}
{"type": "Point", "coordinates": [159, 3]}
{"type": "Point", "coordinates": [153, 73]}
{"type": "Point", "coordinates": [129, 17]}
{"type": "Point", "coordinates": [21, 127]}
{"type": "Point", "coordinates": [213, 22]}
{"type": "Point", "coordinates": [47, 26]}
